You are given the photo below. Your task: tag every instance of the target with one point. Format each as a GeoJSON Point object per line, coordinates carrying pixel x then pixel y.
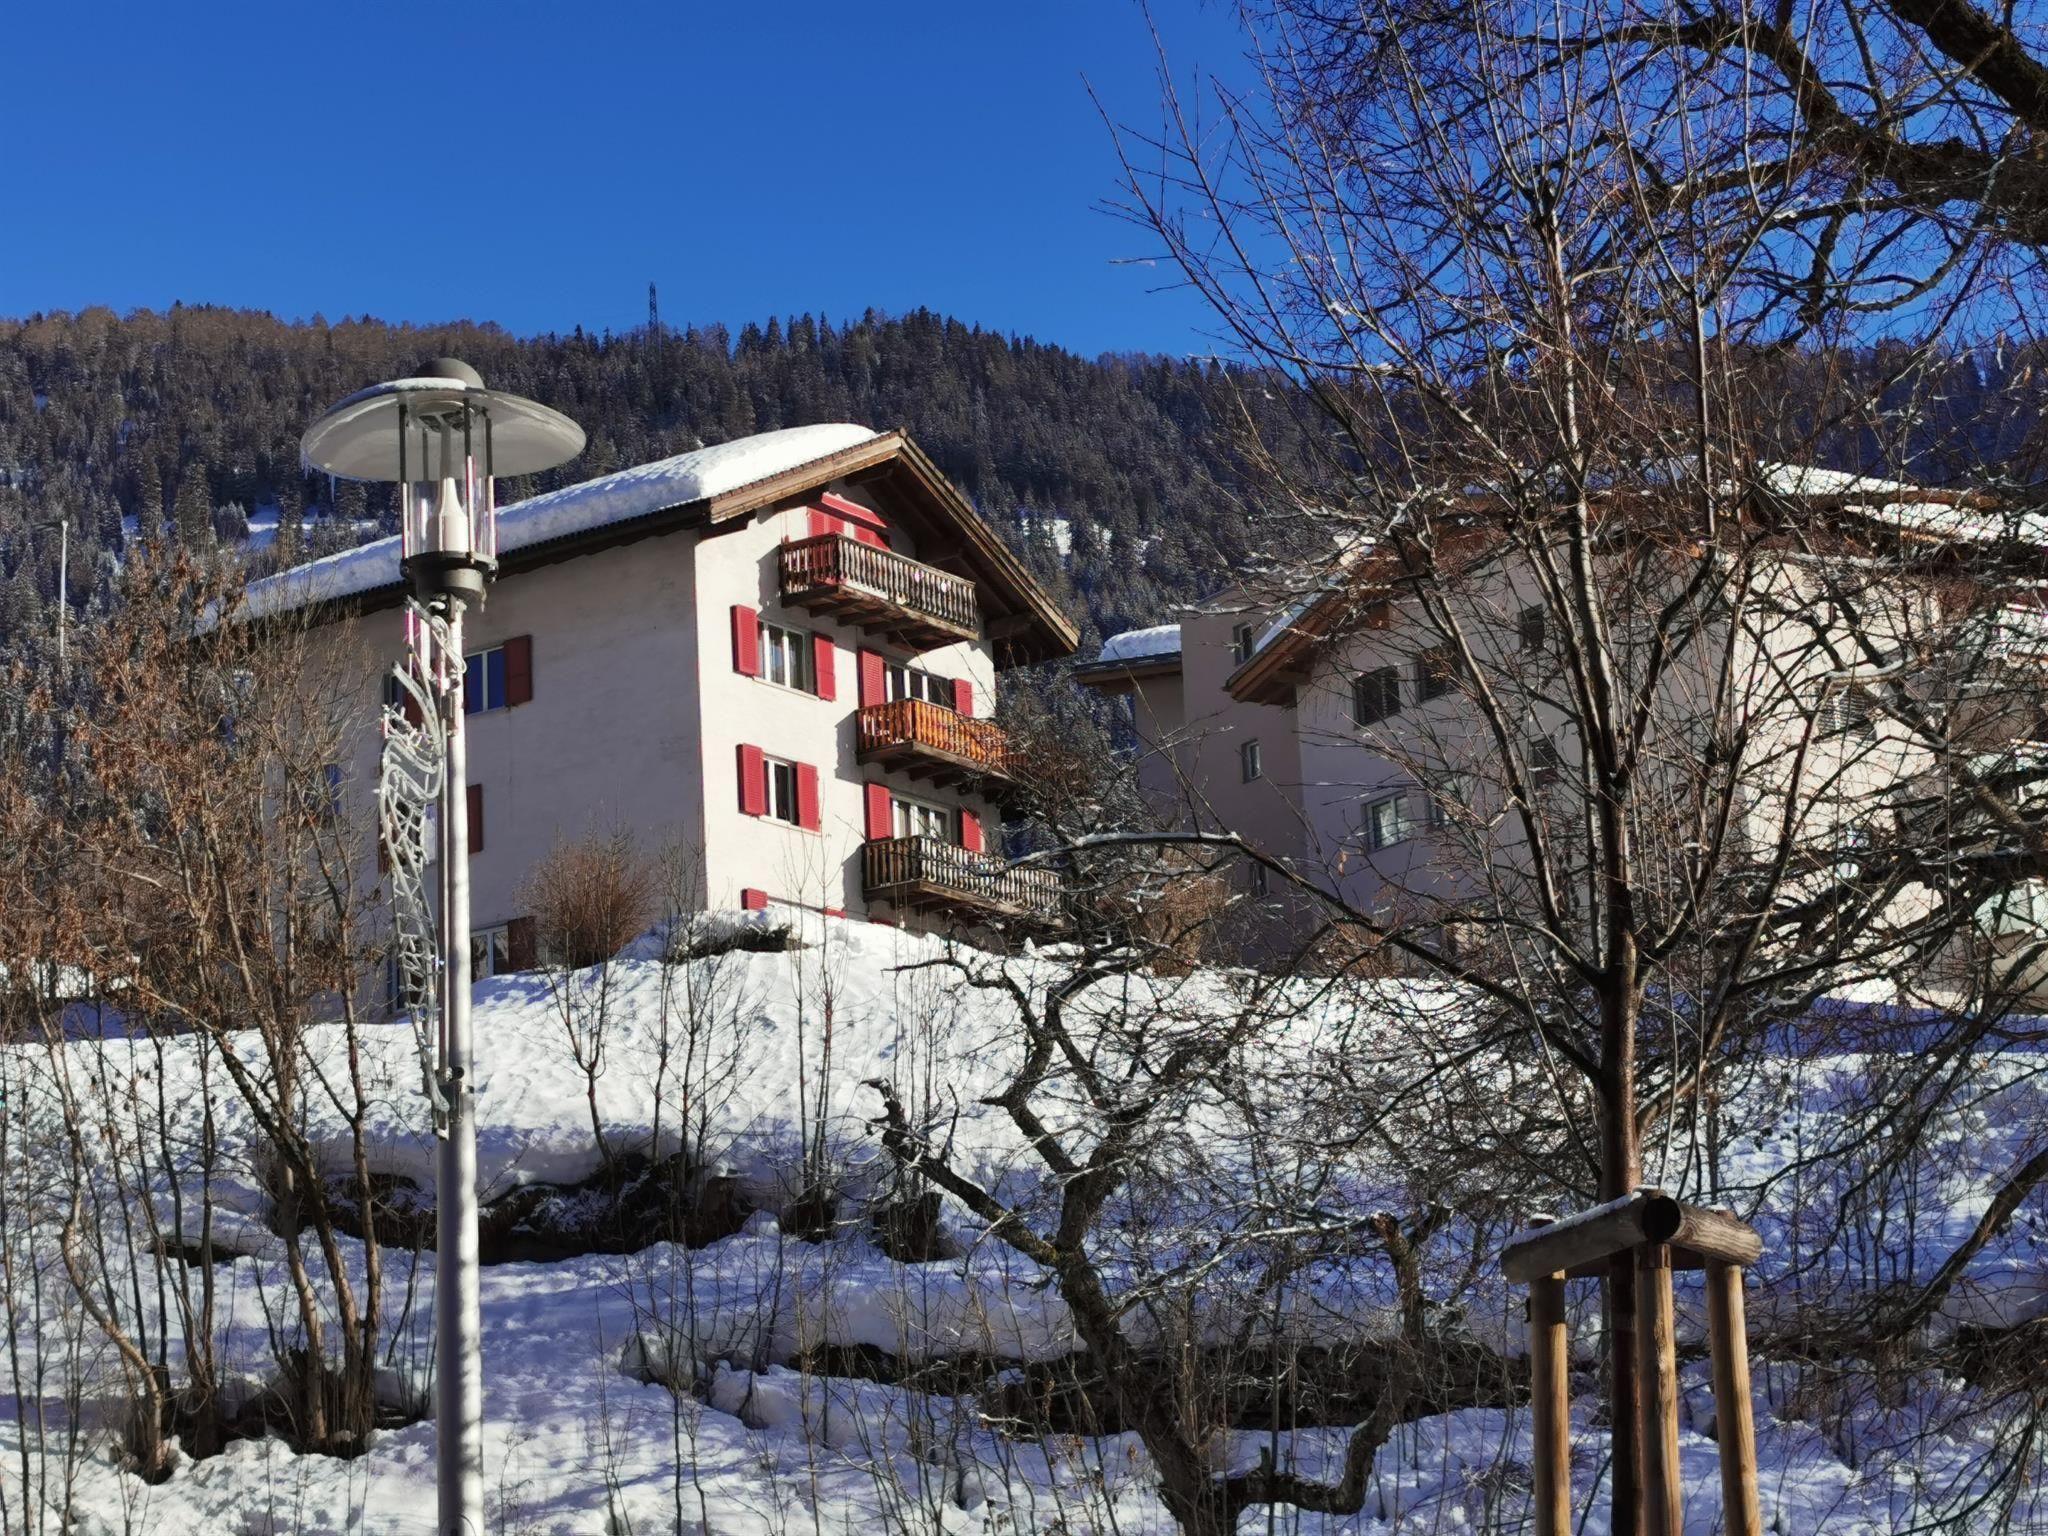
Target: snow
{"type": "Point", "coordinates": [1142, 644]}
{"type": "Point", "coordinates": [613, 498]}
{"type": "Point", "coordinates": [619, 1387]}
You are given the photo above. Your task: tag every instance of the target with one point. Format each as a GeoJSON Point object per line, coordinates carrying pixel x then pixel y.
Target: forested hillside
{"type": "Point", "coordinates": [1115, 476]}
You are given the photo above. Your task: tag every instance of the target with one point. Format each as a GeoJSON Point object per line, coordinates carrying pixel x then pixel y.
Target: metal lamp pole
{"type": "Point", "coordinates": [442, 437]}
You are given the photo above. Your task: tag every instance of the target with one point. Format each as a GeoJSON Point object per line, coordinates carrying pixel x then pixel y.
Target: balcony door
{"type": "Point", "coordinates": [921, 818]}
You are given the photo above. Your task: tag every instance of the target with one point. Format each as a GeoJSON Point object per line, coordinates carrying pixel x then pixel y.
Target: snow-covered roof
{"type": "Point", "coordinates": [1142, 644]}
{"type": "Point", "coordinates": [614, 498]}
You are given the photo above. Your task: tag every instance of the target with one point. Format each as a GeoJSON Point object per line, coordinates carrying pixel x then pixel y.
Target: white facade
{"type": "Point", "coordinates": [634, 684]}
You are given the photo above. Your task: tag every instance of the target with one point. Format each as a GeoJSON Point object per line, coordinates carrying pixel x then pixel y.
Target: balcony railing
{"type": "Point", "coordinates": [930, 740]}
{"type": "Point", "coordinates": [876, 587]}
{"type": "Point", "coordinates": [925, 872]}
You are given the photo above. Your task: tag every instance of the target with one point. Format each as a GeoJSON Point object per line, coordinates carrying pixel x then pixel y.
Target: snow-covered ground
{"type": "Point", "coordinates": [584, 1432]}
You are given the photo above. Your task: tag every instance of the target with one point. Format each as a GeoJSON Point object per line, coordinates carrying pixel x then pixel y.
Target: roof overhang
{"type": "Point", "coordinates": [1118, 676]}
{"type": "Point", "coordinates": [1020, 619]}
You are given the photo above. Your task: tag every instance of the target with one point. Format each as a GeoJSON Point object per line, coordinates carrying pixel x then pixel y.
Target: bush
{"type": "Point", "coordinates": [590, 899]}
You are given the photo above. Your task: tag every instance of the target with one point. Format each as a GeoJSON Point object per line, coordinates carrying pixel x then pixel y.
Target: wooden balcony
{"type": "Point", "coordinates": [921, 606]}
{"type": "Point", "coordinates": [929, 875]}
{"type": "Point", "coordinates": [930, 741]}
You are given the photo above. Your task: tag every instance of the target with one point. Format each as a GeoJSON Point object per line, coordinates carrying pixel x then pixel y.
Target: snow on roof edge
{"type": "Point", "coordinates": [618, 497]}
{"type": "Point", "coordinates": [1141, 644]}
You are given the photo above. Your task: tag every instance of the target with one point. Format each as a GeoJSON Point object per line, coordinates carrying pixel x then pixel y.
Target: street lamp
{"type": "Point", "coordinates": [443, 438]}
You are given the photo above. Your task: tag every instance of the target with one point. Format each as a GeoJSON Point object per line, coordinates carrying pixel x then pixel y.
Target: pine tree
{"type": "Point", "coordinates": [193, 511]}
{"type": "Point", "coordinates": [291, 525]}
{"type": "Point", "coordinates": [149, 504]}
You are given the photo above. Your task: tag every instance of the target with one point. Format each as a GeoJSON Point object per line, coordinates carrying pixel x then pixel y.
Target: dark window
{"type": "Point", "coordinates": [782, 796]}
{"type": "Point", "coordinates": [1545, 762]}
{"type": "Point", "coordinates": [1241, 637]}
{"type": "Point", "coordinates": [1248, 761]}
{"type": "Point", "coordinates": [1436, 670]}
{"type": "Point", "coordinates": [1376, 695]}
{"type": "Point", "coordinates": [483, 681]}
{"type": "Point", "coordinates": [1531, 626]}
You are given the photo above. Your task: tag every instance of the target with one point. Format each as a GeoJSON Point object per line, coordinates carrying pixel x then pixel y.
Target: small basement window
{"type": "Point", "coordinates": [1248, 761]}
{"type": "Point", "coordinates": [490, 951]}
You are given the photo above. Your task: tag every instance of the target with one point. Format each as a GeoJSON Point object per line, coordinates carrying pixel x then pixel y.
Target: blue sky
{"type": "Point", "coordinates": [541, 163]}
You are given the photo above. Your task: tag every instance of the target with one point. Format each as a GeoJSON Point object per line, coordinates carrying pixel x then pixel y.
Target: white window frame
{"type": "Point", "coordinates": [1251, 760]}
{"type": "Point", "coordinates": [787, 652]}
{"type": "Point", "coordinates": [903, 681]}
{"type": "Point", "coordinates": [1377, 838]}
{"type": "Point", "coordinates": [781, 788]}
{"type": "Point", "coordinates": [1243, 641]}
{"type": "Point", "coordinates": [911, 817]}
{"type": "Point", "coordinates": [470, 696]}
{"type": "Point", "coordinates": [490, 951]}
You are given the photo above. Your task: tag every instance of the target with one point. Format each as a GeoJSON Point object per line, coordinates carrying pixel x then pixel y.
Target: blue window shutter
{"type": "Point", "coordinates": [494, 692]}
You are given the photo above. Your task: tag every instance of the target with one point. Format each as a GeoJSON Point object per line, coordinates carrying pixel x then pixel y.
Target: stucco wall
{"type": "Point", "coordinates": [819, 868]}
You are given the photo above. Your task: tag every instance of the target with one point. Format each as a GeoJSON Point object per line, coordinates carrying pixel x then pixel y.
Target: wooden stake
{"type": "Point", "coordinates": [1657, 1386]}
{"type": "Point", "coordinates": [1728, 1338]}
{"type": "Point", "coordinates": [1550, 1405]}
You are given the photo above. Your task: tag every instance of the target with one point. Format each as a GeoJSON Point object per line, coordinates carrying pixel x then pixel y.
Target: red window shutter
{"type": "Point", "coordinates": [413, 717]}
{"type": "Point", "coordinates": [824, 523]}
{"type": "Point", "coordinates": [476, 818]}
{"type": "Point", "coordinates": [753, 900]}
{"type": "Point", "coordinates": [519, 670]}
{"type": "Point", "coordinates": [753, 781]}
{"type": "Point", "coordinates": [383, 855]}
{"type": "Point", "coordinates": [746, 640]}
{"type": "Point", "coordinates": [874, 680]}
{"type": "Point", "coordinates": [520, 949]}
{"type": "Point", "coordinates": [881, 813]}
{"type": "Point", "coordinates": [807, 797]}
{"type": "Point", "coordinates": [963, 696]}
{"type": "Point", "coordinates": [970, 831]}
{"type": "Point", "coordinates": [825, 666]}
{"type": "Point", "coordinates": [866, 535]}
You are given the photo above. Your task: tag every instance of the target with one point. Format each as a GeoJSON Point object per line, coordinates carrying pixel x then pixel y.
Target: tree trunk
{"type": "Point", "coordinates": [1620, 1174]}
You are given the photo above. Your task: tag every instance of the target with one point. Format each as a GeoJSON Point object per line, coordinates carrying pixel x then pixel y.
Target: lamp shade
{"type": "Point", "coordinates": [404, 428]}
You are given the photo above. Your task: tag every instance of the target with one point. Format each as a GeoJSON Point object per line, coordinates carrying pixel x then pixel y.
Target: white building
{"type": "Point", "coordinates": [778, 654]}
{"type": "Point", "coordinates": [1334, 733]}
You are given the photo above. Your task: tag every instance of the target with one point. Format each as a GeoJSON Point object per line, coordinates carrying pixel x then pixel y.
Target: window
{"type": "Point", "coordinates": [1258, 880]}
{"type": "Point", "coordinates": [916, 683]}
{"type": "Point", "coordinates": [786, 657]}
{"type": "Point", "coordinates": [1242, 638]}
{"type": "Point", "coordinates": [1248, 761]}
{"type": "Point", "coordinates": [1386, 822]}
{"type": "Point", "coordinates": [1531, 627]}
{"type": "Point", "coordinates": [1436, 670]}
{"type": "Point", "coordinates": [1439, 812]}
{"type": "Point", "coordinates": [483, 681]}
{"type": "Point", "coordinates": [1546, 763]}
{"type": "Point", "coordinates": [490, 952]}
{"type": "Point", "coordinates": [782, 791]}
{"type": "Point", "coordinates": [919, 818]}
{"type": "Point", "coordinates": [1376, 695]}
{"type": "Point", "coordinates": [1847, 711]}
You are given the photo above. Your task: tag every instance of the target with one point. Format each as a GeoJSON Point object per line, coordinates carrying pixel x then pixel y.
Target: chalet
{"type": "Point", "coordinates": [780, 655]}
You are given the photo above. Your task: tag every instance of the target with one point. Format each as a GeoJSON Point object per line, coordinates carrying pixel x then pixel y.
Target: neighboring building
{"type": "Point", "coordinates": [1332, 731]}
{"type": "Point", "coordinates": [779, 655]}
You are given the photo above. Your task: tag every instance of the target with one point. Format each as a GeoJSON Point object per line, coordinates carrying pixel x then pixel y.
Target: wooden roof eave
{"type": "Point", "coordinates": [995, 566]}
{"type": "Point", "coordinates": [1121, 676]}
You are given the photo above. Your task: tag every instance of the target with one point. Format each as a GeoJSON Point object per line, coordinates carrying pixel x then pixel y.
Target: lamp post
{"type": "Point", "coordinates": [443, 438]}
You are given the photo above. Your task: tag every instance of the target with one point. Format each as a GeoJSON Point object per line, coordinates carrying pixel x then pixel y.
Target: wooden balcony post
{"type": "Point", "coordinates": [1728, 1342]}
{"type": "Point", "coordinates": [1657, 1389]}
{"type": "Point", "coordinates": [1550, 1405]}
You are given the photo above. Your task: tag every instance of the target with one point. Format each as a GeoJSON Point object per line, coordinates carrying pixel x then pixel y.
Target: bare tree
{"type": "Point", "coordinates": [1638, 717]}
